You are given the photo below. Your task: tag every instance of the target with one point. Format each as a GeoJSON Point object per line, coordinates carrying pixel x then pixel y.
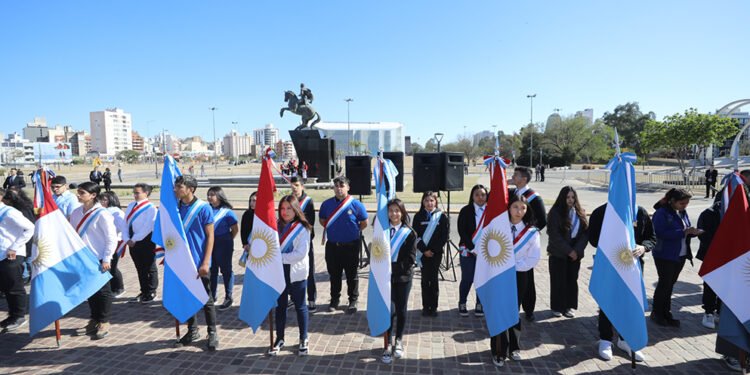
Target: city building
{"type": "Point", "coordinates": [285, 150]}
{"type": "Point", "coordinates": [588, 113]}
{"type": "Point", "coordinates": [111, 131]}
{"type": "Point", "coordinates": [236, 145]}
{"type": "Point", "coordinates": [137, 143]}
{"type": "Point", "coordinates": [80, 143]}
{"type": "Point", "coordinates": [267, 136]}
{"type": "Point", "coordinates": [481, 135]}
{"type": "Point", "coordinates": [364, 138]}
{"type": "Point", "coordinates": [194, 145]}
{"type": "Point", "coordinates": [407, 146]}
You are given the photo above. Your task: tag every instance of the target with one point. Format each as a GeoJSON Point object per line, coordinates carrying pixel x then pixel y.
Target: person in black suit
{"type": "Point", "coordinates": [711, 175]}
{"type": "Point", "coordinates": [14, 179]}
{"type": "Point", "coordinates": [430, 249]}
{"type": "Point", "coordinates": [521, 177]}
{"type": "Point", "coordinates": [468, 219]}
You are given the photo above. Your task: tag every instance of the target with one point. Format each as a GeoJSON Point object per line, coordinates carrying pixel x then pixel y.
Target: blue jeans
{"type": "Point", "coordinates": [468, 265]}
{"type": "Point", "coordinates": [221, 260]}
{"type": "Point", "coordinates": [297, 290]}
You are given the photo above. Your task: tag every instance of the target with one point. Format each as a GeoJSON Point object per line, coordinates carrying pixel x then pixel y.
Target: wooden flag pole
{"type": "Point", "coordinates": [632, 360]}
{"type": "Point", "coordinates": [270, 324]}
{"type": "Point", "coordinates": [385, 341]}
{"type": "Point", "coordinates": [177, 328]}
{"type": "Point", "coordinates": [497, 339]}
{"type": "Point", "coordinates": [57, 332]}
{"type": "Point", "coordinates": [743, 361]}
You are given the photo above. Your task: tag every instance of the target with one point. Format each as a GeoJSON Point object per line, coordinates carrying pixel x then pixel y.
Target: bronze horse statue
{"type": "Point", "coordinates": [296, 106]}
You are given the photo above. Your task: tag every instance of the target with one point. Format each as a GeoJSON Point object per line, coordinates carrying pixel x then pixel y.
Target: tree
{"type": "Point", "coordinates": [128, 156]}
{"type": "Point", "coordinates": [629, 122]}
{"type": "Point", "coordinates": [572, 138]}
{"type": "Point", "coordinates": [430, 146]}
{"type": "Point", "coordinates": [687, 134]}
{"type": "Point", "coordinates": [528, 134]}
{"type": "Point", "coordinates": [463, 145]}
{"type": "Point", "coordinates": [416, 147]}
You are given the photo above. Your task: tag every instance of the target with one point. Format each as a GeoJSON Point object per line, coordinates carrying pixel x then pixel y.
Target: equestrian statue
{"type": "Point", "coordinates": [301, 106]}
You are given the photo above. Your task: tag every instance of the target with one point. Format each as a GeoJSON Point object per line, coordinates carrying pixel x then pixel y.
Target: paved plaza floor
{"type": "Point", "coordinates": [141, 336]}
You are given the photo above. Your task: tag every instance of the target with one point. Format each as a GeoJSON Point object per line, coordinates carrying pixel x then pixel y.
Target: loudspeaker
{"type": "Point", "coordinates": [427, 172]}
{"type": "Point", "coordinates": [317, 152]}
{"type": "Point", "coordinates": [398, 160]}
{"type": "Point", "coordinates": [358, 171]}
{"type": "Point", "coordinates": [453, 171]}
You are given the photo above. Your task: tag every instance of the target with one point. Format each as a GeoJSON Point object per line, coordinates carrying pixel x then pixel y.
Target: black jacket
{"type": "Point", "coordinates": [309, 214]}
{"type": "Point", "coordinates": [560, 244]}
{"type": "Point", "coordinates": [709, 221]}
{"type": "Point", "coordinates": [17, 181]}
{"type": "Point", "coordinates": [402, 269]}
{"type": "Point", "coordinates": [537, 207]}
{"type": "Point", "coordinates": [246, 225]}
{"type": "Point", "coordinates": [466, 226]}
{"type": "Point", "coordinates": [439, 238]}
{"type": "Point", "coordinates": [643, 229]}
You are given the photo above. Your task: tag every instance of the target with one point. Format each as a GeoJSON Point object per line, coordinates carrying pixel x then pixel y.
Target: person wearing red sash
{"type": "Point", "coordinates": [140, 217]}
{"type": "Point", "coordinates": [15, 232]}
{"type": "Point", "coordinates": [308, 208]}
{"type": "Point", "coordinates": [96, 226]}
{"type": "Point", "coordinates": [430, 249]}
{"type": "Point", "coordinates": [111, 202]}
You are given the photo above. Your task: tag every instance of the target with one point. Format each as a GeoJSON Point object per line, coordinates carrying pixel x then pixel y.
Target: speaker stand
{"type": "Point", "coordinates": [449, 264]}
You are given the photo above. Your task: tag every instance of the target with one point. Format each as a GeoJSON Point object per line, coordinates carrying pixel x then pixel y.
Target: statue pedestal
{"type": "Point", "coordinates": [317, 152]}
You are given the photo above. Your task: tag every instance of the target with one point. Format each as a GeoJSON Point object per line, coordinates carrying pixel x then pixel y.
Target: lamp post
{"type": "Point", "coordinates": [213, 118]}
{"type": "Point", "coordinates": [531, 136]}
{"type": "Point", "coordinates": [438, 138]}
{"type": "Point", "coordinates": [348, 127]}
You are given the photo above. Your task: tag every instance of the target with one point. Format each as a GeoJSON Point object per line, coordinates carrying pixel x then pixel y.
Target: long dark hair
{"type": "Point", "coordinates": [219, 193]}
{"type": "Point", "coordinates": [298, 215]}
{"type": "Point", "coordinates": [112, 199]}
{"type": "Point", "coordinates": [249, 199]}
{"type": "Point", "coordinates": [561, 208]}
{"type": "Point", "coordinates": [527, 219]}
{"type": "Point", "coordinates": [404, 215]}
{"type": "Point", "coordinates": [18, 199]}
{"type": "Point", "coordinates": [673, 195]}
{"type": "Point", "coordinates": [475, 188]}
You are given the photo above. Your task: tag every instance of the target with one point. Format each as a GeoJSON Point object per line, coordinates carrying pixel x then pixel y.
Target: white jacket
{"type": "Point", "coordinates": [297, 258]}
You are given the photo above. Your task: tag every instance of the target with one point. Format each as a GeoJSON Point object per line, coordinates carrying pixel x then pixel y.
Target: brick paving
{"type": "Point", "coordinates": [141, 336]}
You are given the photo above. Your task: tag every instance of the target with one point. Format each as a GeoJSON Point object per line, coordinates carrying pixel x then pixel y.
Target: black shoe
{"type": "Point", "coordinates": [148, 298]}
{"type": "Point", "coordinates": [333, 306]}
{"type": "Point", "coordinates": [190, 336]}
{"type": "Point", "coordinates": [425, 312]}
{"type": "Point", "coordinates": [138, 298]}
{"type": "Point", "coordinates": [352, 307]}
{"type": "Point", "coordinates": [118, 293]}
{"type": "Point", "coordinates": [5, 322]}
{"type": "Point", "coordinates": [672, 322]}
{"type": "Point", "coordinates": [479, 310]}
{"type": "Point", "coordinates": [530, 317]}
{"type": "Point", "coordinates": [569, 313]}
{"type": "Point", "coordinates": [462, 309]}
{"type": "Point", "coordinates": [433, 313]}
{"type": "Point", "coordinates": [213, 341]}
{"type": "Point", "coordinates": [15, 324]}
{"type": "Point", "coordinates": [311, 307]}
{"type": "Point", "coordinates": [659, 320]}
{"type": "Point", "coordinates": [277, 346]}
{"type": "Point", "coordinates": [226, 305]}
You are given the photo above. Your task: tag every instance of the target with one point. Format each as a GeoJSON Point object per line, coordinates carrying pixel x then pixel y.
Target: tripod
{"type": "Point", "coordinates": [449, 264]}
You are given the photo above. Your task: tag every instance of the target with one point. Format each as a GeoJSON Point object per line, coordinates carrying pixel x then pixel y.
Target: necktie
{"type": "Point", "coordinates": [393, 231]}
{"type": "Point", "coordinates": [513, 231]}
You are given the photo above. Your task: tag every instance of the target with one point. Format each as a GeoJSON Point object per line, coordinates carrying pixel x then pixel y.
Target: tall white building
{"type": "Point", "coordinates": [111, 131]}
{"type": "Point", "coordinates": [366, 137]}
{"type": "Point", "coordinates": [588, 113]}
{"type": "Point", "coordinates": [267, 136]}
{"type": "Point", "coordinates": [236, 145]}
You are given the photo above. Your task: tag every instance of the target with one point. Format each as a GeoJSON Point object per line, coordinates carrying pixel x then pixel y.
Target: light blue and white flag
{"type": "Point", "coordinates": [183, 290]}
{"type": "Point", "coordinates": [616, 279]}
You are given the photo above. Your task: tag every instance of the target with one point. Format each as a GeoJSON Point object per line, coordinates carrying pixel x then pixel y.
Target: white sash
{"type": "Point", "coordinates": [191, 214]}
{"type": "Point", "coordinates": [397, 240]}
{"type": "Point", "coordinates": [287, 239]}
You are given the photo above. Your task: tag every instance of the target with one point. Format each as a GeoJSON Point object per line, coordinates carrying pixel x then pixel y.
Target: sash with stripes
{"type": "Point", "coordinates": [121, 246]}
{"type": "Point", "coordinates": [397, 240]}
{"type": "Point", "coordinates": [522, 239]}
{"type": "Point", "coordinates": [530, 195]}
{"type": "Point", "coordinates": [478, 231]}
{"type": "Point", "coordinates": [5, 211]}
{"type": "Point", "coordinates": [191, 215]}
{"type": "Point", "coordinates": [137, 211]}
{"type": "Point", "coordinates": [159, 254]}
{"type": "Point", "coordinates": [304, 203]}
{"type": "Point", "coordinates": [218, 215]}
{"type": "Point", "coordinates": [83, 226]}
{"type": "Point", "coordinates": [433, 222]}
{"type": "Point", "coordinates": [340, 209]}
{"type": "Point", "coordinates": [287, 237]}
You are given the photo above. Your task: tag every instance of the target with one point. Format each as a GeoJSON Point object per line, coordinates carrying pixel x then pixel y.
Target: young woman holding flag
{"type": "Point", "coordinates": [527, 253]}
{"type": "Point", "coordinates": [225, 230]}
{"type": "Point", "coordinates": [111, 202]}
{"type": "Point", "coordinates": [468, 220]}
{"type": "Point", "coordinates": [431, 226]}
{"type": "Point", "coordinates": [294, 239]}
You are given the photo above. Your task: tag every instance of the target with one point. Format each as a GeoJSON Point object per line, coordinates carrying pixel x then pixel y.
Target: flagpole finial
{"type": "Point", "coordinates": [616, 143]}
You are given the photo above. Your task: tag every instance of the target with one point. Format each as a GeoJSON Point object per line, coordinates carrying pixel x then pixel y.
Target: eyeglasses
{"type": "Point", "coordinates": [56, 186]}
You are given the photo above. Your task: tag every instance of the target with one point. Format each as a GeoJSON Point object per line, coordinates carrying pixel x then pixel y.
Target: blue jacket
{"type": "Point", "coordinates": [670, 233]}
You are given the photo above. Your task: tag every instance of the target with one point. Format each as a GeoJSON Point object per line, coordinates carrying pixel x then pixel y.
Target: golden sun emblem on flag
{"type": "Point", "coordinates": [495, 239]}
{"type": "Point", "coordinates": [43, 251]}
{"type": "Point", "coordinates": [377, 249]}
{"type": "Point", "coordinates": [169, 244]}
{"type": "Point", "coordinates": [624, 258]}
{"type": "Point", "coordinates": [262, 248]}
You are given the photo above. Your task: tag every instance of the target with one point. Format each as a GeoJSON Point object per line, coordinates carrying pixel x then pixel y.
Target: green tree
{"type": "Point", "coordinates": [687, 134]}
{"type": "Point", "coordinates": [629, 122]}
{"type": "Point", "coordinates": [416, 147]}
{"type": "Point", "coordinates": [528, 134]}
{"type": "Point", "coordinates": [128, 156]}
{"type": "Point", "coordinates": [573, 138]}
{"type": "Point", "coordinates": [431, 145]}
{"type": "Point", "coordinates": [463, 145]}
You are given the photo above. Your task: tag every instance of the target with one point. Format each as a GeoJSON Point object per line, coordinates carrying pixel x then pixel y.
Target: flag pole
{"type": "Point", "coordinates": [743, 361]}
{"type": "Point", "coordinates": [57, 332]}
{"type": "Point", "coordinates": [177, 328]}
{"type": "Point", "coordinates": [385, 341]}
{"type": "Point", "coordinates": [270, 325]}
{"type": "Point", "coordinates": [632, 360]}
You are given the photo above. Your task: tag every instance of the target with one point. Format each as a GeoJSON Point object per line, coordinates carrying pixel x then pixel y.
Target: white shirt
{"type": "Point", "coordinates": [119, 217]}
{"type": "Point", "coordinates": [297, 258]}
{"type": "Point", "coordinates": [15, 231]}
{"type": "Point", "coordinates": [529, 255]}
{"type": "Point", "coordinates": [142, 225]}
{"type": "Point", "coordinates": [478, 211]}
{"type": "Point", "coordinates": [520, 191]}
{"type": "Point", "coordinates": [101, 236]}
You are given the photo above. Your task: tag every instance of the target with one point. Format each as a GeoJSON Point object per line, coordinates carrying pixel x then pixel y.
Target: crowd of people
{"type": "Point", "coordinates": [211, 227]}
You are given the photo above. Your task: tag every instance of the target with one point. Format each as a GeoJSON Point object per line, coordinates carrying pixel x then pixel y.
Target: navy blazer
{"type": "Point", "coordinates": [670, 233]}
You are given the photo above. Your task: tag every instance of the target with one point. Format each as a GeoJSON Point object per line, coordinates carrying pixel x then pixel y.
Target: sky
{"type": "Point", "coordinates": [457, 67]}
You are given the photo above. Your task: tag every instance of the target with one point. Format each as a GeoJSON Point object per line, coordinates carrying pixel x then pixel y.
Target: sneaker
{"type": "Point", "coordinates": [137, 299]}
{"type": "Point", "coordinates": [5, 322]}
{"type": "Point", "coordinates": [732, 363]}
{"type": "Point", "coordinates": [311, 307]}
{"type": "Point", "coordinates": [352, 307]}
{"type": "Point", "coordinates": [530, 317]}
{"type": "Point", "coordinates": [102, 330]}
{"type": "Point", "coordinates": [516, 355]}
{"type": "Point", "coordinates": [626, 348]}
{"type": "Point", "coordinates": [478, 310]}
{"type": "Point", "coordinates": [188, 338]}
{"type": "Point", "coordinates": [15, 324]}
{"type": "Point", "coordinates": [148, 298]}
{"type": "Point", "coordinates": [425, 312]}
{"type": "Point", "coordinates": [274, 351]}
{"type": "Point", "coordinates": [498, 361]}
{"type": "Point", "coordinates": [226, 305]}
{"type": "Point", "coordinates": [333, 306]}
{"type": "Point", "coordinates": [556, 314]}
{"type": "Point", "coordinates": [88, 329]}
{"type": "Point", "coordinates": [213, 341]}
{"type": "Point", "coordinates": [605, 349]}
{"type": "Point", "coordinates": [708, 321]}
{"type": "Point", "coordinates": [304, 345]}
{"type": "Point", "coordinates": [659, 320]}
{"type": "Point", "coordinates": [672, 322]}
{"type": "Point", "coordinates": [387, 358]}
{"type": "Point", "coordinates": [398, 351]}
{"type": "Point", "coordinates": [569, 313]}
{"type": "Point", "coordinates": [462, 309]}
{"type": "Point", "coordinates": [433, 313]}
{"type": "Point", "coordinates": [118, 293]}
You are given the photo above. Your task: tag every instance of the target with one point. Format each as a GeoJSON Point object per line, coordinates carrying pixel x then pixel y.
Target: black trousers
{"type": "Point", "coordinates": [343, 257]}
{"type": "Point", "coordinates": [711, 302]}
{"type": "Point", "coordinates": [563, 278]}
{"type": "Point", "coordinates": [143, 258]}
{"type": "Point", "coordinates": [116, 282]}
{"type": "Point", "coordinates": [399, 300]}
{"type": "Point", "coordinates": [668, 271]}
{"type": "Point", "coordinates": [312, 290]}
{"type": "Point", "coordinates": [509, 340]}
{"type": "Point", "coordinates": [100, 303]}
{"type": "Point", "coordinates": [709, 189]}
{"type": "Point", "coordinates": [430, 284]}
{"type": "Point", "coordinates": [208, 310]}
{"type": "Point", "coordinates": [11, 284]}
{"type": "Point", "coordinates": [528, 301]}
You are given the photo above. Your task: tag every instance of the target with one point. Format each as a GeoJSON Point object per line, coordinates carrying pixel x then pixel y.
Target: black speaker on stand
{"type": "Point", "coordinates": [427, 172]}
{"type": "Point", "coordinates": [359, 173]}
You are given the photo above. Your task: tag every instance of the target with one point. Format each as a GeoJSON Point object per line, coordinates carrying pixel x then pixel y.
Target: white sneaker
{"type": "Point", "coordinates": [387, 356]}
{"type": "Point", "coordinates": [398, 351]}
{"type": "Point", "coordinates": [708, 321]}
{"type": "Point", "coordinates": [516, 355]}
{"type": "Point", "coordinates": [605, 350]}
{"type": "Point", "coordinates": [498, 362]}
{"type": "Point", "coordinates": [639, 357]}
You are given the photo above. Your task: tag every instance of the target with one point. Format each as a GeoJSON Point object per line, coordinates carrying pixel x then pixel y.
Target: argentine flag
{"type": "Point", "coordinates": [64, 271]}
{"type": "Point", "coordinates": [379, 288]}
{"type": "Point", "coordinates": [616, 280]}
{"type": "Point", "coordinates": [183, 291]}
{"type": "Point", "coordinates": [495, 274]}
{"type": "Point", "coordinates": [264, 272]}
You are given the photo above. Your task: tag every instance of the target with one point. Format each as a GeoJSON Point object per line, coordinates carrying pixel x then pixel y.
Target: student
{"type": "Point", "coordinates": [65, 200]}
{"type": "Point", "coordinates": [431, 226]}
{"type": "Point", "coordinates": [468, 220]}
{"type": "Point", "coordinates": [140, 217]}
{"type": "Point", "coordinates": [527, 248]}
{"type": "Point", "coordinates": [294, 239]}
{"type": "Point", "coordinates": [246, 225]}
{"type": "Point", "coordinates": [15, 232]}
{"type": "Point", "coordinates": [568, 237]}
{"type": "Point", "coordinates": [673, 234]}
{"type": "Point", "coordinates": [343, 218]}
{"type": "Point", "coordinates": [111, 202]}
{"type": "Point", "coordinates": [307, 206]}
{"type": "Point", "coordinates": [225, 230]}
{"type": "Point", "coordinates": [17, 198]}
{"type": "Point", "coordinates": [200, 236]}
{"type": "Point", "coordinates": [107, 178]}
{"type": "Point", "coordinates": [403, 257]}
{"type": "Point", "coordinates": [96, 226]}
{"type": "Point", "coordinates": [709, 221]}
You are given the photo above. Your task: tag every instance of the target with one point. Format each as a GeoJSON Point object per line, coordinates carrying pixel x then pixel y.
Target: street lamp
{"type": "Point", "coordinates": [531, 136]}
{"type": "Point", "coordinates": [213, 118]}
{"type": "Point", "coordinates": [438, 138]}
{"type": "Point", "coordinates": [348, 127]}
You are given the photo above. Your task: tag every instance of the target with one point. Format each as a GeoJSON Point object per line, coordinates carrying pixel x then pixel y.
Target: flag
{"type": "Point", "coordinates": [730, 182]}
{"type": "Point", "coordinates": [616, 279]}
{"type": "Point", "coordinates": [495, 274]}
{"type": "Point", "coordinates": [264, 270]}
{"type": "Point", "coordinates": [65, 272]}
{"type": "Point", "coordinates": [379, 288]}
{"type": "Point", "coordinates": [183, 291]}
{"type": "Point", "coordinates": [726, 269]}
